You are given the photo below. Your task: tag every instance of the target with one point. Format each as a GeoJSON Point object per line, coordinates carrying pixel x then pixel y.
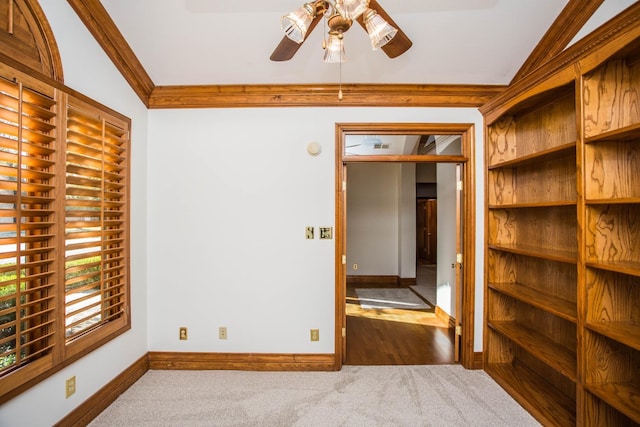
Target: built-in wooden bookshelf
{"type": "Point", "coordinates": [611, 103]}
{"type": "Point", "coordinates": [562, 296]}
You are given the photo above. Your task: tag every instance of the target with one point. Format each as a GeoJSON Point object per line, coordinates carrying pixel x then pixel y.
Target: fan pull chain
{"type": "Point", "coordinates": [340, 91]}
{"type": "Point", "coordinates": [324, 35]}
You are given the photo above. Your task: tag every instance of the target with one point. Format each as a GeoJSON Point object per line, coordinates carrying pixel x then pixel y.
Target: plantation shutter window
{"type": "Point", "coordinates": [95, 219]}
{"type": "Point", "coordinates": [27, 225]}
{"type": "Point", "coordinates": [64, 227]}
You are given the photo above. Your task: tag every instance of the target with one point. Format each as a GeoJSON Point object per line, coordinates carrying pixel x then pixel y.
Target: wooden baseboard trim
{"type": "Point", "coordinates": [242, 361]}
{"type": "Point", "coordinates": [405, 282]}
{"type": "Point", "coordinates": [444, 316]}
{"type": "Point", "coordinates": [478, 360]}
{"type": "Point", "coordinates": [381, 281]}
{"type": "Point", "coordinates": [93, 406]}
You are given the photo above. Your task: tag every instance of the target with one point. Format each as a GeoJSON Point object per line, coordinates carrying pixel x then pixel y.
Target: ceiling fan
{"type": "Point", "coordinates": [340, 14]}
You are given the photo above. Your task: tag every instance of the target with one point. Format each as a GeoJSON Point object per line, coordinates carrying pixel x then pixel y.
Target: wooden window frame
{"type": "Point", "coordinates": [101, 140]}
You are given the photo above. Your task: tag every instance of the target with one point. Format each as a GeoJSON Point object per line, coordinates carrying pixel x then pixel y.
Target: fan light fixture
{"type": "Point", "coordinates": [380, 32]}
{"type": "Point", "coordinates": [296, 24]}
{"type": "Point", "coordinates": [341, 14]}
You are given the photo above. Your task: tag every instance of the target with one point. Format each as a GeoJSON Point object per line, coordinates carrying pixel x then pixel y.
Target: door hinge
{"type": "Point", "coordinates": [459, 186]}
{"type": "Point", "coordinates": [344, 332]}
{"type": "Point", "coordinates": [344, 185]}
{"type": "Point", "coordinates": [459, 330]}
{"type": "Point", "coordinates": [344, 259]}
{"type": "Point", "coordinates": [459, 258]}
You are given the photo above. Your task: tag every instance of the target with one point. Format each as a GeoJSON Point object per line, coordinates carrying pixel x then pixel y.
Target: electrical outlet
{"type": "Point", "coordinates": [222, 332]}
{"type": "Point", "coordinates": [355, 266]}
{"type": "Point", "coordinates": [183, 333]}
{"type": "Point", "coordinates": [70, 387]}
{"type": "Point", "coordinates": [315, 334]}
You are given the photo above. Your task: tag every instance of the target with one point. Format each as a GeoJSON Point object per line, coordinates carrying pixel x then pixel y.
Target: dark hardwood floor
{"type": "Point", "coordinates": [395, 336]}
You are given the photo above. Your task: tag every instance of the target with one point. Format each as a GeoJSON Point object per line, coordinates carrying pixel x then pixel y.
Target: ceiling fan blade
{"type": "Point", "coordinates": [288, 48]}
{"type": "Point", "coordinates": [285, 50]}
{"type": "Point", "coordinates": [400, 43]}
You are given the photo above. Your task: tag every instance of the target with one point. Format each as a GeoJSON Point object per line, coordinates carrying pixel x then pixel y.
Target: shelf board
{"type": "Point", "coordinates": [550, 204]}
{"type": "Point", "coordinates": [533, 297]}
{"type": "Point", "coordinates": [626, 133]}
{"type": "Point", "coordinates": [627, 333]}
{"type": "Point", "coordinates": [540, 156]}
{"type": "Point", "coordinates": [625, 397]}
{"type": "Point", "coordinates": [617, 201]}
{"type": "Point", "coordinates": [537, 252]}
{"type": "Point", "coordinates": [631, 268]}
{"type": "Point", "coordinates": [535, 394]}
{"type": "Point", "coordinates": [539, 346]}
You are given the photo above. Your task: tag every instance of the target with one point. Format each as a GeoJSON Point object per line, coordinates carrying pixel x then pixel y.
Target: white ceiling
{"type": "Point", "coordinates": [188, 42]}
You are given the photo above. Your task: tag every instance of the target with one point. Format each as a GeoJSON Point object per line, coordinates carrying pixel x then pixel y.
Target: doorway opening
{"type": "Point", "coordinates": [393, 314]}
{"type": "Point", "coordinates": [414, 145]}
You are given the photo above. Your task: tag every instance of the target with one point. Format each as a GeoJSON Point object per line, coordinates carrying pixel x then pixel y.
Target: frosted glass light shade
{"type": "Point", "coordinates": [352, 9]}
{"type": "Point", "coordinates": [334, 53]}
{"type": "Point", "coordinates": [380, 32]}
{"type": "Point", "coordinates": [296, 24]}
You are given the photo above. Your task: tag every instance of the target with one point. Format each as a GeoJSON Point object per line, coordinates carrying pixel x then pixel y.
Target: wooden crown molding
{"type": "Point", "coordinates": [571, 20]}
{"type": "Point", "coordinates": [622, 29]}
{"type": "Point", "coordinates": [104, 30]}
{"type": "Point", "coordinates": [324, 95]}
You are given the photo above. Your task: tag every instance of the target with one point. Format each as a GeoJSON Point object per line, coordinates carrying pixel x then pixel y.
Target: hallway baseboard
{"type": "Point", "coordinates": [444, 316]}
{"type": "Point", "coordinates": [379, 280]}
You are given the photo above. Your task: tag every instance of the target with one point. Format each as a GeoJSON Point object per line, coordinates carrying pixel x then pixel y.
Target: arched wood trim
{"type": "Point", "coordinates": [27, 37]}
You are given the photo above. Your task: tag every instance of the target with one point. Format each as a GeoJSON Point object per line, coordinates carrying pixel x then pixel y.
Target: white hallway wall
{"type": "Point", "coordinates": [381, 219]}
{"type": "Point", "coordinates": [373, 213]}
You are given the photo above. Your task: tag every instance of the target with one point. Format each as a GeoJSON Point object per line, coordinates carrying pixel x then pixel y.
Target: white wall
{"type": "Point", "coordinates": [381, 219]}
{"type": "Point", "coordinates": [407, 221]}
{"type": "Point", "coordinates": [446, 252]}
{"type": "Point", "coordinates": [373, 211]}
{"type": "Point", "coordinates": [230, 194]}
{"type": "Point", "coordinates": [89, 71]}
{"type": "Point", "coordinates": [446, 243]}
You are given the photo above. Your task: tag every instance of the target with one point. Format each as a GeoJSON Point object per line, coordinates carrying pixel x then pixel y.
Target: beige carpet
{"type": "Point", "coordinates": [445, 395]}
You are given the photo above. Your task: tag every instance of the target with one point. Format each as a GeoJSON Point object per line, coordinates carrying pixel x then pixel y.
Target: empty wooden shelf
{"type": "Point", "coordinates": [562, 258]}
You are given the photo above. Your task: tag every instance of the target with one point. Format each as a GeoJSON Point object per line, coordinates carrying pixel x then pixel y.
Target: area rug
{"type": "Point", "coordinates": [398, 298]}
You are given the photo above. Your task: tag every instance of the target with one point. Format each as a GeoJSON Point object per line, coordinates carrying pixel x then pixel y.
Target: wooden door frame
{"type": "Point", "coordinates": [467, 159]}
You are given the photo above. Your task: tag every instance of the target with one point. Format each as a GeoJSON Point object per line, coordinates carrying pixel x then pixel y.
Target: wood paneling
{"type": "Point", "coordinates": [610, 174]}
{"type": "Point", "coordinates": [618, 106]}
